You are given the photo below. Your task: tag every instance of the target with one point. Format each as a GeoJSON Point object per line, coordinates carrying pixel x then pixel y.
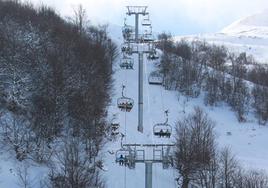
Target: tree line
{"type": "Point", "coordinates": [55, 80]}
{"type": "Point", "coordinates": [235, 79]}
{"type": "Point", "coordinates": [200, 163]}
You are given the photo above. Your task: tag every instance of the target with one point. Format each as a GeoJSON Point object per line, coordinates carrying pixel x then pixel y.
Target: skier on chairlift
{"type": "Point", "coordinates": [161, 133]}
{"type": "Point", "coordinates": [121, 160]}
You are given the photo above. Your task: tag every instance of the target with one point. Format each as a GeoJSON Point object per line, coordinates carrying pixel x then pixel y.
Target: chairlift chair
{"type": "Point", "coordinates": [114, 126]}
{"type": "Point", "coordinates": [146, 21]}
{"type": "Point", "coordinates": [163, 129]}
{"type": "Point", "coordinates": [127, 32]}
{"type": "Point", "coordinates": [126, 63]}
{"type": "Point", "coordinates": [125, 103]}
{"type": "Point", "coordinates": [152, 55]}
{"type": "Point", "coordinates": [155, 78]}
{"type": "Point", "coordinates": [115, 132]}
{"type": "Point", "coordinates": [114, 129]}
{"type": "Point", "coordinates": [125, 157]}
{"type": "Point", "coordinates": [122, 156]}
{"type": "Point", "coordinates": [127, 49]}
{"type": "Point", "coordinates": [147, 37]}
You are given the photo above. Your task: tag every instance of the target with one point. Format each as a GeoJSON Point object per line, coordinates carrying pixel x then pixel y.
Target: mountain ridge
{"type": "Point", "coordinates": [254, 25]}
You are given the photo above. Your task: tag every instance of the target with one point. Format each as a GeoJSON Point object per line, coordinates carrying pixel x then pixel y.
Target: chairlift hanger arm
{"type": "Point", "coordinates": [123, 88]}
{"type": "Point", "coordinates": [166, 112]}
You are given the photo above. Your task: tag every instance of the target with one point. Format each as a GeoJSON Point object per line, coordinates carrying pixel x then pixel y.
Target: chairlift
{"type": "Point", "coordinates": [122, 156]}
{"type": "Point", "coordinates": [114, 129]}
{"type": "Point", "coordinates": [155, 78]}
{"type": "Point", "coordinates": [115, 126]}
{"type": "Point", "coordinates": [128, 32]}
{"type": "Point", "coordinates": [127, 49]}
{"type": "Point", "coordinates": [147, 37]}
{"type": "Point", "coordinates": [146, 21]}
{"type": "Point", "coordinates": [125, 103]}
{"type": "Point", "coordinates": [152, 55]}
{"type": "Point", "coordinates": [125, 157]}
{"type": "Point", "coordinates": [126, 63]}
{"type": "Point", "coordinates": [163, 129]}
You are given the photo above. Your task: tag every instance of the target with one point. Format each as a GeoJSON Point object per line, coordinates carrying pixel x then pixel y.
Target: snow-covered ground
{"type": "Point", "coordinates": [247, 140]}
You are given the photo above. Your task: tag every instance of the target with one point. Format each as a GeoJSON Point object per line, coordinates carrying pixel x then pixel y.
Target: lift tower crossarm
{"type": "Point", "coordinates": [137, 10]}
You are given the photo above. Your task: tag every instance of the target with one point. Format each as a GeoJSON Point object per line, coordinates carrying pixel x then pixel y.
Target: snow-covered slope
{"type": "Point", "coordinates": [118, 176]}
{"type": "Point", "coordinates": [247, 140]}
{"type": "Point", "coordinates": [245, 35]}
{"type": "Point", "coordinates": [255, 25]}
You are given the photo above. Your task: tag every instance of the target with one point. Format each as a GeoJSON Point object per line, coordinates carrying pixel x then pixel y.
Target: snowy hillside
{"type": "Point", "coordinates": [245, 35]}
{"type": "Point", "coordinates": [245, 139]}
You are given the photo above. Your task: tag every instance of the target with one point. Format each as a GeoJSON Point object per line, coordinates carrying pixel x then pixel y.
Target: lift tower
{"type": "Point", "coordinates": [131, 154]}
{"type": "Point", "coordinates": [137, 11]}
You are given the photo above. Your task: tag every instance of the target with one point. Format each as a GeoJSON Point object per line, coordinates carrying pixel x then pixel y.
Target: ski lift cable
{"type": "Point", "coordinates": [148, 97]}
{"type": "Point", "coordinates": [125, 178]}
{"type": "Point", "coordinates": [162, 101]}
{"type": "Point", "coordinates": [125, 131]}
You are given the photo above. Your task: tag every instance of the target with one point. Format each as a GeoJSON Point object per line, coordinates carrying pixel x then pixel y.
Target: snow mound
{"type": "Point", "coordinates": [255, 25]}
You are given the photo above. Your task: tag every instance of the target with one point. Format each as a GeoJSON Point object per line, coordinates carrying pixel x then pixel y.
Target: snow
{"type": "Point", "coordinates": [248, 35]}
{"type": "Point", "coordinates": [253, 25]}
{"type": "Point", "coordinates": [247, 140]}
{"type": "Point", "coordinates": [154, 108]}
{"type": "Point", "coordinates": [9, 176]}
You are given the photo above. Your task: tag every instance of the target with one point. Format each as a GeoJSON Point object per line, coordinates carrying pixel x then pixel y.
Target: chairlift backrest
{"type": "Point", "coordinates": [122, 154]}
{"type": "Point", "coordinates": [127, 48]}
{"type": "Point", "coordinates": [155, 78]}
{"type": "Point", "coordinates": [146, 21]}
{"type": "Point", "coordinates": [126, 157]}
{"type": "Point", "coordinates": [126, 63]}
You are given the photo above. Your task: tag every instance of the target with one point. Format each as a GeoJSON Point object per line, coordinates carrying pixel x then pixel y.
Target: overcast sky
{"type": "Point", "coordinates": [179, 17]}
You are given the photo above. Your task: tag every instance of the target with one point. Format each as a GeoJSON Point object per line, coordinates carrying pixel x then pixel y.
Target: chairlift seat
{"type": "Point", "coordinates": [126, 63]}
{"type": "Point", "coordinates": [162, 130]}
{"type": "Point", "coordinates": [127, 49]}
{"type": "Point", "coordinates": [114, 133]}
{"type": "Point", "coordinates": [147, 38]}
{"type": "Point", "coordinates": [125, 103]}
{"type": "Point", "coordinates": [115, 126]}
{"type": "Point", "coordinates": [155, 78]}
{"type": "Point", "coordinates": [152, 56]}
{"type": "Point", "coordinates": [146, 22]}
{"type": "Point", "coordinates": [123, 156]}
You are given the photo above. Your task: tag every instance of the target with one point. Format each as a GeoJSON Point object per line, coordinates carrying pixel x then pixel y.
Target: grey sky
{"type": "Point", "coordinates": [176, 16]}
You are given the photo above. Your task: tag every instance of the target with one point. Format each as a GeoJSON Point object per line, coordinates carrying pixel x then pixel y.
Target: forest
{"type": "Point", "coordinates": [56, 81]}
{"type": "Point", "coordinates": [237, 80]}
